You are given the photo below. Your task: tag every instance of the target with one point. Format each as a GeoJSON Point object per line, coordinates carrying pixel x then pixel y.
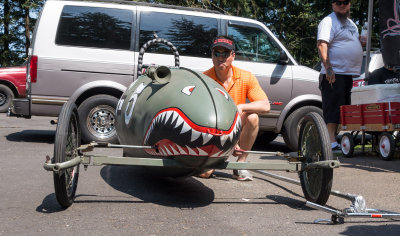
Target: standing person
{"type": "Point", "coordinates": [241, 85]}
{"type": "Point", "coordinates": [341, 53]}
{"type": "Point", "coordinates": [384, 75]}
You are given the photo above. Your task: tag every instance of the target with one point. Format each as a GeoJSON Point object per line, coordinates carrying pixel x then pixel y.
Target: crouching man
{"type": "Point", "coordinates": [241, 85]}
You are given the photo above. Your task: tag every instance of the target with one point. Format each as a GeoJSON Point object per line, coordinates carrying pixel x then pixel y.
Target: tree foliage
{"type": "Point", "coordinates": [294, 22]}
{"type": "Point", "coordinates": [16, 26]}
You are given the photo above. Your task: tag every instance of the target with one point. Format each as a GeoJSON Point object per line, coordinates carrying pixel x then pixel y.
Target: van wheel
{"type": "Point", "coordinates": [291, 126]}
{"type": "Point", "coordinates": [265, 138]}
{"type": "Point", "coordinates": [6, 96]}
{"type": "Point", "coordinates": [97, 119]}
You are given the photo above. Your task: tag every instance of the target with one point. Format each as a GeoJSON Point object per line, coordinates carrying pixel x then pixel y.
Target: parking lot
{"type": "Point", "coordinates": [129, 201]}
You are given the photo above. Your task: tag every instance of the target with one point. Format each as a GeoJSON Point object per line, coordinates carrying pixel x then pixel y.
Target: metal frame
{"type": "Point", "coordinates": [294, 162]}
{"type": "Point", "coordinates": [357, 209]}
{"type": "Point", "coordinates": [339, 215]}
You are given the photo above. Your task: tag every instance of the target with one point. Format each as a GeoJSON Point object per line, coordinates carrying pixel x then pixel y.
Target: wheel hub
{"type": "Point", "coordinates": [384, 145]}
{"type": "Point", "coordinates": [3, 99]}
{"type": "Point", "coordinates": [101, 121]}
{"type": "Point", "coordinates": [345, 145]}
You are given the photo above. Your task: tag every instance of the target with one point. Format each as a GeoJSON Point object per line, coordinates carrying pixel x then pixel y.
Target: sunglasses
{"type": "Point", "coordinates": [224, 54]}
{"type": "Point", "coordinates": [339, 3]}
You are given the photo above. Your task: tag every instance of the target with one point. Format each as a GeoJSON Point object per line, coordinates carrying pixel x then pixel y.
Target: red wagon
{"type": "Point", "coordinates": [381, 120]}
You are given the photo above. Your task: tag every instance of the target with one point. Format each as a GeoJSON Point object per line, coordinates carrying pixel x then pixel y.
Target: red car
{"type": "Point", "coordinates": [12, 84]}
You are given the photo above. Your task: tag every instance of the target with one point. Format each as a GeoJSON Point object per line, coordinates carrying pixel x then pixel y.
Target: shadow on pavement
{"type": "Point", "coordinates": [290, 202]}
{"type": "Point", "coordinates": [34, 136]}
{"type": "Point", "coordinates": [370, 163]}
{"type": "Point", "coordinates": [273, 146]}
{"type": "Point", "coordinates": [387, 229]}
{"type": "Point", "coordinates": [137, 182]}
{"type": "Point", "coordinates": [49, 205]}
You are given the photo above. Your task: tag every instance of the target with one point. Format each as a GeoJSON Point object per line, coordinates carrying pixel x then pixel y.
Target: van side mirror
{"type": "Point", "coordinates": [283, 58]}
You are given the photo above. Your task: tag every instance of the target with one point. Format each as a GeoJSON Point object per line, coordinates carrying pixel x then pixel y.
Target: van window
{"type": "Point", "coordinates": [95, 27]}
{"type": "Point", "coordinates": [253, 44]}
{"type": "Point", "coordinates": [191, 35]}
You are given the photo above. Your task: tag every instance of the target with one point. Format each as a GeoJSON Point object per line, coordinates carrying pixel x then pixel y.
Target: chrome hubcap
{"type": "Point", "coordinates": [3, 99]}
{"type": "Point", "coordinates": [384, 146]}
{"type": "Point", "coordinates": [101, 121]}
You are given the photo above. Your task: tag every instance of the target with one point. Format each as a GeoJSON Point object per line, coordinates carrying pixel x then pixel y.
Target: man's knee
{"type": "Point", "coordinates": [252, 120]}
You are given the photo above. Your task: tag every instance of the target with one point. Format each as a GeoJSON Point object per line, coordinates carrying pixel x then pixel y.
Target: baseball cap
{"type": "Point", "coordinates": [223, 42]}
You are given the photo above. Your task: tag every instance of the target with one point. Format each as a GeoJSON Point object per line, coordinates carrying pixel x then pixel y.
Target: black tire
{"type": "Point", "coordinates": [347, 145]}
{"type": "Point", "coordinates": [386, 146]}
{"type": "Point", "coordinates": [6, 96]}
{"type": "Point", "coordinates": [314, 145]}
{"type": "Point", "coordinates": [66, 142]}
{"type": "Point", "coordinates": [291, 126]}
{"type": "Point", "coordinates": [265, 138]}
{"type": "Point", "coordinates": [92, 112]}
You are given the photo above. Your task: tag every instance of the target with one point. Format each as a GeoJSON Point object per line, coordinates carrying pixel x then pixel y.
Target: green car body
{"type": "Point", "coordinates": [182, 114]}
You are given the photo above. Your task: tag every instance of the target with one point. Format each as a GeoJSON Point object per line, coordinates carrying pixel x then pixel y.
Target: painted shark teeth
{"type": "Point", "coordinates": [191, 151]}
{"type": "Point", "coordinates": [223, 139]}
{"type": "Point", "coordinates": [206, 137]}
{"type": "Point", "coordinates": [177, 124]}
{"type": "Point", "coordinates": [181, 151]}
{"type": "Point", "coordinates": [185, 128]}
{"type": "Point", "coordinates": [195, 135]}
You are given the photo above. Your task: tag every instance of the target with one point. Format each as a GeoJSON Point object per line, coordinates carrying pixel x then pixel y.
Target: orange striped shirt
{"type": "Point", "coordinates": [243, 85]}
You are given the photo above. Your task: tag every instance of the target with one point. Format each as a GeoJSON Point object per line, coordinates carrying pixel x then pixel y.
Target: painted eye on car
{"type": "Point", "coordinates": [188, 90]}
{"type": "Point", "coordinates": [223, 93]}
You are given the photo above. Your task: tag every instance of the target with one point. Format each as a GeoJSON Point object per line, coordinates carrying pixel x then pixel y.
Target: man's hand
{"type": "Point", "coordinates": [330, 75]}
{"type": "Point", "coordinates": [238, 151]}
{"type": "Point", "coordinates": [240, 109]}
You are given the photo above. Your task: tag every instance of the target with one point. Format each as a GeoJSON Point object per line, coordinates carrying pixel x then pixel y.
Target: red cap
{"type": "Point", "coordinates": [224, 42]}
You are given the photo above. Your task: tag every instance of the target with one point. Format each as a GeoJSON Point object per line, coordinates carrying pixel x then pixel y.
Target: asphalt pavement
{"type": "Point", "coordinates": [130, 201]}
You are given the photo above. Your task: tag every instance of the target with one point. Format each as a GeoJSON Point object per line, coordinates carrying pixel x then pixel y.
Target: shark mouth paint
{"type": "Point", "coordinates": [174, 134]}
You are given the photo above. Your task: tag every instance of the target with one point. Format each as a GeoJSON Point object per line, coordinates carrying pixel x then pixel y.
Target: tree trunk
{"type": "Point", "coordinates": [27, 31]}
{"type": "Point", "coordinates": [5, 54]}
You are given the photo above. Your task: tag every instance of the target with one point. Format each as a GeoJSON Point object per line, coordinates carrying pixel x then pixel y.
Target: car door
{"type": "Point", "coordinates": [258, 52]}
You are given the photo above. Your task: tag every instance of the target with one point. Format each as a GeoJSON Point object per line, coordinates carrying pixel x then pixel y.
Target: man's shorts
{"type": "Point", "coordinates": [335, 96]}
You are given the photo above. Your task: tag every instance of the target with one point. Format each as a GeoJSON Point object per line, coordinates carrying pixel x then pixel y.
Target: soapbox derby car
{"type": "Point", "coordinates": [180, 123]}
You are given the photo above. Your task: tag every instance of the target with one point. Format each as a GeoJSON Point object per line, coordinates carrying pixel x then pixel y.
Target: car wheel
{"type": "Point", "coordinates": [97, 119]}
{"type": "Point", "coordinates": [314, 146]}
{"type": "Point", "coordinates": [265, 138]}
{"type": "Point", "coordinates": [6, 96]}
{"type": "Point", "coordinates": [291, 126]}
{"type": "Point", "coordinates": [66, 142]}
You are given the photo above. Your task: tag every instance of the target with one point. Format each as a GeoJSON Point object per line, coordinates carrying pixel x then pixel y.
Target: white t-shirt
{"type": "Point", "coordinates": [345, 50]}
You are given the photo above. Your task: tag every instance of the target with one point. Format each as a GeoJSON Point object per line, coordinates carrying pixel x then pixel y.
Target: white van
{"type": "Point", "coordinates": [87, 52]}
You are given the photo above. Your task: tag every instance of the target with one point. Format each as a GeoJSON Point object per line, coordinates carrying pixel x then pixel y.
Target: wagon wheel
{"type": "Point", "coordinates": [66, 142]}
{"type": "Point", "coordinates": [314, 145]}
{"type": "Point", "coordinates": [347, 145]}
{"type": "Point", "coordinates": [386, 146]}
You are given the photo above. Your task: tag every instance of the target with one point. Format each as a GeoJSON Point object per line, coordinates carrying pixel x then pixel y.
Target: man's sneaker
{"type": "Point", "coordinates": [242, 175]}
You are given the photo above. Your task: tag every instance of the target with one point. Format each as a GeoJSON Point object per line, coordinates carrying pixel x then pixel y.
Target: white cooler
{"type": "Point", "coordinates": [375, 93]}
